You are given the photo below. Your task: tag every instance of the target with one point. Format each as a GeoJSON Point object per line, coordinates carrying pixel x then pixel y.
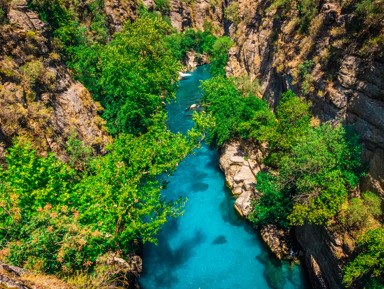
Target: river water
{"type": "Point", "coordinates": [209, 247]}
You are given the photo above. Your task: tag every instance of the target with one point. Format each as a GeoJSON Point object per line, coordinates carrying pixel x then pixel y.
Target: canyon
{"type": "Point", "coordinates": [345, 85]}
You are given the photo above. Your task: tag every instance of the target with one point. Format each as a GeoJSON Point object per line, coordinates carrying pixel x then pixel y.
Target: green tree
{"type": "Point", "coordinates": [314, 180]}
{"type": "Point", "coordinates": [54, 219]}
{"type": "Point", "coordinates": [273, 204]}
{"type": "Point", "coordinates": [220, 51]}
{"type": "Point", "coordinates": [294, 117]}
{"type": "Point", "coordinates": [236, 114]}
{"type": "Point", "coordinates": [321, 169]}
{"type": "Point", "coordinates": [131, 76]}
{"type": "Point", "coordinates": [368, 265]}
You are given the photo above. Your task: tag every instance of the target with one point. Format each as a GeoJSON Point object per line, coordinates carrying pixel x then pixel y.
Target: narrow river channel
{"type": "Point", "coordinates": [209, 247]}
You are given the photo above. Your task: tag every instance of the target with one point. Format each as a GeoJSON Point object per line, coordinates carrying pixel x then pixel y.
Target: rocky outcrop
{"type": "Point", "coordinates": [199, 14]}
{"type": "Point", "coordinates": [120, 11]}
{"type": "Point", "coordinates": [344, 81]}
{"type": "Point", "coordinates": [193, 60]}
{"type": "Point", "coordinates": [342, 84]}
{"type": "Point", "coordinates": [241, 161]}
{"type": "Point", "coordinates": [40, 101]}
{"type": "Point", "coordinates": [278, 241]}
{"type": "Point", "coordinates": [12, 277]}
{"type": "Point", "coordinates": [325, 254]}
{"type": "Point", "coordinates": [125, 272]}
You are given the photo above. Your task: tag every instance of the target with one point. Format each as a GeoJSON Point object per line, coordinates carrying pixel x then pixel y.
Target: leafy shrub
{"type": "Point", "coordinates": [294, 117]}
{"type": "Point", "coordinates": [163, 5]}
{"type": "Point", "coordinates": [371, 11]}
{"type": "Point", "coordinates": [219, 57]}
{"type": "Point", "coordinates": [180, 43]}
{"type": "Point", "coordinates": [54, 219]}
{"type": "Point", "coordinates": [68, 20]}
{"type": "Point", "coordinates": [315, 177]}
{"type": "Point", "coordinates": [273, 205]}
{"type": "Point", "coordinates": [306, 76]}
{"type": "Point", "coordinates": [360, 210]}
{"type": "Point", "coordinates": [308, 9]}
{"type": "Point", "coordinates": [130, 74]}
{"type": "Point", "coordinates": [368, 265]}
{"type": "Point", "coordinates": [233, 111]}
{"type": "Point", "coordinates": [231, 13]}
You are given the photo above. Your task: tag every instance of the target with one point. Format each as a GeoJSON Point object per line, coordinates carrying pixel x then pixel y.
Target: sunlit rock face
{"type": "Point", "coordinates": [39, 99]}
{"type": "Point", "coordinates": [198, 15]}
{"type": "Point", "coordinates": [345, 85]}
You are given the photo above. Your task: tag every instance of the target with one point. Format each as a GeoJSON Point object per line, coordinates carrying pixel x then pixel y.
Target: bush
{"type": "Point", "coordinates": [220, 51]}
{"type": "Point", "coordinates": [163, 5]}
{"type": "Point", "coordinates": [231, 13]}
{"type": "Point", "coordinates": [130, 74]}
{"type": "Point", "coordinates": [314, 179]}
{"type": "Point", "coordinates": [360, 210]}
{"type": "Point", "coordinates": [236, 114]}
{"type": "Point", "coordinates": [294, 117]}
{"type": "Point", "coordinates": [57, 220]}
{"type": "Point", "coordinates": [273, 205]}
{"type": "Point", "coordinates": [368, 265]}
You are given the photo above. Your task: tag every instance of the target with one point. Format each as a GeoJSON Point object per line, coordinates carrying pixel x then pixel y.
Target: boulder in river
{"type": "Point", "coordinates": [240, 163]}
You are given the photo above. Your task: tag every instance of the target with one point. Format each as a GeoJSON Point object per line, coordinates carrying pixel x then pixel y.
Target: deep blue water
{"type": "Point", "coordinates": [209, 247]}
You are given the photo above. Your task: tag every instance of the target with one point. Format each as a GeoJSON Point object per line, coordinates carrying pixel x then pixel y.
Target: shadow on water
{"type": "Point", "coordinates": [226, 209]}
{"type": "Point", "coordinates": [219, 240]}
{"type": "Point", "coordinates": [168, 259]}
{"type": "Point", "coordinates": [273, 271]}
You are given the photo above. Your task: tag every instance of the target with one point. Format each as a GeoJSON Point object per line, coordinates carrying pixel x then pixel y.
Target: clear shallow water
{"type": "Point", "coordinates": [209, 247]}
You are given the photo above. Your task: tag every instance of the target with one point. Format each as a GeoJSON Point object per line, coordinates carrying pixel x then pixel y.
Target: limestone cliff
{"type": "Point", "coordinates": [345, 83]}
{"type": "Point", "coordinates": [40, 101]}
{"type": "Point", "coordinates": [199, 14]}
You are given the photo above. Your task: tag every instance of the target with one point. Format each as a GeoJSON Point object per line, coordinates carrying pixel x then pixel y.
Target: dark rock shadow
{"type": "Point", "coordinates": [219, 240]}
{"type": "Point", "coordinates": [166, 259]}
{"type": "Point", "coordinates": [273, 271]}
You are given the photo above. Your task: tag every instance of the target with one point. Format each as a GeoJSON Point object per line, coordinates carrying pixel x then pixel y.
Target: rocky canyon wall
{"type": "Point", "coordinates": [40, 101]}
{"type": "Point", "coordinates": [344, 81]}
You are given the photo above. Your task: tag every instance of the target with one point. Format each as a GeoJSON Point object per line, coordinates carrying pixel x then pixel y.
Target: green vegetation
{"type": "Point", "coordinates": [231, 13]}
{"type": "Point", "coordinates": [131, 75]}
{"type": "Point", "coordinates": [318, 173]}
{"type": "Point", "coordinates": [308, 9]}
{"type": "Point", "coordinates": [293, 119]}
{"type": "Point", "coordinates": [55, 219]}
{"type": "Point", "coordinates": [200, 42]}
{"type": "Point", "coordinates": [317, 167]}
{"type": "Point", "coordinates": [220, 55]}
{"type": "Point", "coordinates": [237, 112]}
{"type": "Point", "coordinates": [3, 9]}
{"type": "Point", "coordinates": [163, 5]}
{"type": "Point", "coordinates": [74, 23]}
{"type": "Point", "coordinates": [368, 266]}
{"type": "Point", "coordinates": [60, 217]}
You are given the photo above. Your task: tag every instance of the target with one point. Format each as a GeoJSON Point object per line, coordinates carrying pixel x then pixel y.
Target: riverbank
{"type": "Point", "coordinates": [210, 246]}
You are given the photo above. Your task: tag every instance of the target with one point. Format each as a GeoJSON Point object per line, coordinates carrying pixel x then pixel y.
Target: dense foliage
{"type": "Point", "coordinates": [368, 266]}
{"type": "Point", "coordinates": [130, 76]}
{"type": "Point", "coordinates": [317, 166]}
{"type": "Point", "coordinates": [74, 23]}
{"type": "Point", "coordinates": [220, 51]}
{"type": "Point", "coordinates": [56, 219]}
{"type": "Point", "coordinates": [293, 119]}
{"type": "Point", "coordinates": [237, 113]}
{"type": "Point", "coordinates": [318, 174]}
{"type": "Point", "coordinates": [198, 41]}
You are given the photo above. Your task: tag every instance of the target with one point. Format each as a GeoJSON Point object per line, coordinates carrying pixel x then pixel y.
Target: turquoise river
{"type": "Point", "coordinates": [209, 247]}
